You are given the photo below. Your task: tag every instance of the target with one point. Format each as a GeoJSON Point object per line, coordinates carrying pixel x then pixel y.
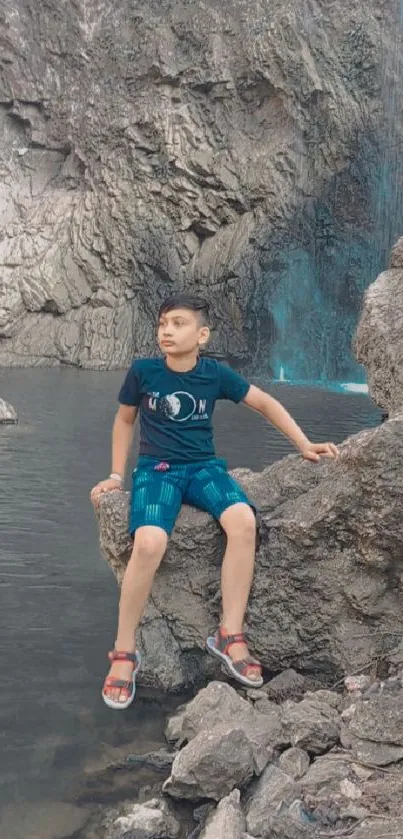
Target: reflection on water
{"type": "Point", "coordinates": [58, 598]}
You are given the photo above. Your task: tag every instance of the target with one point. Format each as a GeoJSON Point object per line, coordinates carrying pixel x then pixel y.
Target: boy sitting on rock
{"type": "Point", "coordinates": [175, 396]}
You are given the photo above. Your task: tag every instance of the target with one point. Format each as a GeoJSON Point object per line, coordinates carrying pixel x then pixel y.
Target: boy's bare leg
{"type": "Point", "coordinates": [239, 524]}
{"type": "Point", "coordinates": [149, 547]}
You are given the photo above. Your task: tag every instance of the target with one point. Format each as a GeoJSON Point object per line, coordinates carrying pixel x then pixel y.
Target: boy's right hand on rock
{"type": "Point", "coordinates": [104, 486]}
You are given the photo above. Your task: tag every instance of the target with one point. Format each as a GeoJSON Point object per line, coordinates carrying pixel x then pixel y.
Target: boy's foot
{"type": "Point", "coordinates": [232, 650]}
{"type": "Point", "coordinates": [120, 687]}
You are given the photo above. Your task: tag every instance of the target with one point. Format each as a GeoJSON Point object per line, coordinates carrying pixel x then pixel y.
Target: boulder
{"type": "Point", "coordinates": [294, 762]}
{"type": "Point", "coordinates": [324, 776]}
{"type": "Point", "coordinates": [287, 685]}
{"type": "Point", "coordinates": [379, 337]}
{"type": "Point", "coordinates": [219, 703]}
{"type": "Point", "coordinates": [8, 414]}
{"type": "Point", "coordinates": [373, 728]}
{"type": "Point", "coordinates": [380, 718]}
{"type": "Point", "coordinates": [312, 724]}
{"type": "Point", "coordinates": [227, 820]}
{"type": "Point", "coordinates": [212, 764]}
{"type": "Point", "coordinates": [327, 593]}
{"type": "Point", "coordinates": [151, 820]}
{"type": "Point", "coordinates": [274, 789]}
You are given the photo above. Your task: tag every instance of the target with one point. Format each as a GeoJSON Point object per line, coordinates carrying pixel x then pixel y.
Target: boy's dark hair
{"type": "Point", "coordinates": [186, 301]}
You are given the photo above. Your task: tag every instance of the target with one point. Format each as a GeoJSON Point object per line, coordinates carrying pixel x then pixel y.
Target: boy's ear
{"type": "Point", "coordinates": [204, 336]}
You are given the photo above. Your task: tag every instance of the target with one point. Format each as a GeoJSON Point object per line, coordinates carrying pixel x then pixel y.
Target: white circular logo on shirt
{"type": "Point", "coordinates": [178, 407]}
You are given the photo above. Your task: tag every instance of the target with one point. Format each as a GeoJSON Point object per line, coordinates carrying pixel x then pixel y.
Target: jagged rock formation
{"type": "Point", "coordinates": [378, 343]}
{"type": "Point", "coordinates": [263, 774]}
{"type": "Point", "coordinates": [229, 147]}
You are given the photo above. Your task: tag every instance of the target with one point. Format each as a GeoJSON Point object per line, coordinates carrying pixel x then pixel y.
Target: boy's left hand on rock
{"type": "Point", "coordinates": [314, 451]}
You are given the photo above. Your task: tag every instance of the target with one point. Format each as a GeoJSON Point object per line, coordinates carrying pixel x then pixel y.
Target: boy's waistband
{"type": "Point", "coordinates": [145, 461]}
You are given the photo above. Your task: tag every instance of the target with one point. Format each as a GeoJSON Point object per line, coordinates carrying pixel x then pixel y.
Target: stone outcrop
{"type": "Point", "coordinates": [328, 590]}
{"type": "Point", "coordinates": [8, 414]}
{"type": "Point", "coordinates": [379, 341]}
{"type": "Point", "coordinates": [295, 793]}
{"type": "Point", "coordinates": [146, 146]}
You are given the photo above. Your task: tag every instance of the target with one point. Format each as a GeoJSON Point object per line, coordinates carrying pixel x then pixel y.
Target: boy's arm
{"type": "Point", "coordinates": [122, 437]}
{"type": "Point", "coordinates": [272, 410]}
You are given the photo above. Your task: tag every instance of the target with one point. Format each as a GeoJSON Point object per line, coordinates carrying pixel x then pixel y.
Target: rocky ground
{"type": "Point", "coordinates": [228, 147]}
{"type": "Point", "coordinates": [283, 762]}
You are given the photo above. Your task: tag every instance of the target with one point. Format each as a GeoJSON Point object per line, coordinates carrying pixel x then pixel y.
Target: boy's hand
{"type": "Point", "coordinates": [104, 486]}
{"type": "Point", "coordinates": [314, 451]}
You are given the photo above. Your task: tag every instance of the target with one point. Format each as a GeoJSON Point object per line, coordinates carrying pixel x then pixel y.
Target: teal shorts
{"type": "Point", "coordinates": [159, 489]}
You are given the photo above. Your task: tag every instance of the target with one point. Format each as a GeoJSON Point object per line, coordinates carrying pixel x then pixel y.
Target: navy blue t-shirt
{"type": "Point", "coordinates": [176, 409]}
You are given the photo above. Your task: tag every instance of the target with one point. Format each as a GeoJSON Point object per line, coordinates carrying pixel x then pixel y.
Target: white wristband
{"type": "Point", "coordinates": [115, 477]}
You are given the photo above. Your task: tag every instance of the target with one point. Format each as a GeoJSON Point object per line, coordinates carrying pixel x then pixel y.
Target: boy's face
{"type": "Point", "coordinates": [180, 332]}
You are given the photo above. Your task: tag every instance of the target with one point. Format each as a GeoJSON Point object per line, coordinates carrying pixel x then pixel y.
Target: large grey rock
{"type": "Point", "coordinates": [312, 724]}
{"type": "Point", "coordinates": [325, 775]}
{"type": "Point", "coordinates": [148, 145]}
{"type": "Point", "coordinates": [227, 820]}
{"type": "Point", "coordinates": [216, 703]}
{"type": "Point", "coordinates": [212, 764]}
{"type": "Point", "coordinates": [380, 718]}
{"type": "Point", "coordinates": [8, 414]}
{"type": "Point", "coordinates": [219, 703]}
{"type": "Point", "coordinates": [375, 754]}
{"type": "Point", "coordinates": [327, 594]}
{"type": "Point", "coordinates": [379, 337]}
{"type": "Point", "coordinates": [294, 762]}
{"type": "Point", "coordinates": [274, 789]}
{"type": "Point", "coordinates": [287, 685]}
{"type": "Point", "coordinates": [151, 820]}
{"type": "Point", "coordinates": [374, 728]}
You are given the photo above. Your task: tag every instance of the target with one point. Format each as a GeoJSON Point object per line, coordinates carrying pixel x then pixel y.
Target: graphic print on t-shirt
{"type": "Point", "coordinates": [179, 406]}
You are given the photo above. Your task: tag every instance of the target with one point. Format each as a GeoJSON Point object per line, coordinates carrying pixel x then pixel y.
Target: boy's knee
{"type": "Point", "coordinates": [150, 544]}
{"type": "Point", "coordinates": [239, 521]}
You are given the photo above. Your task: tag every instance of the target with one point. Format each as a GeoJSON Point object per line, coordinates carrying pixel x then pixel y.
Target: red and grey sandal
{"type": "Point", "coordinates": [129, 687]}
{"type": "Point", "coordinates": [218, 646]}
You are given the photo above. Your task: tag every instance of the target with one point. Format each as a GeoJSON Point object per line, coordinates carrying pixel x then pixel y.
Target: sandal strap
{"type": "Point", "coordinates": [246, 664]}
{"type": "Point", "coordinates": [119, 655]}
{"type": "Point", "coordinates": [111, 682]}
{"type": "Point", "coordinates": [226, 641]}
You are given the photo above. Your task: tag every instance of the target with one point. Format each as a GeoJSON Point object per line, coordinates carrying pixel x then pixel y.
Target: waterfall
{"type": "Point", "coordinates": [338, 244]}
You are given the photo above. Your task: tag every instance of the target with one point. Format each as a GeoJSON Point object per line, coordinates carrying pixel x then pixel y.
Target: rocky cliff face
{"type": "Point", "coordinates": [233, 148]}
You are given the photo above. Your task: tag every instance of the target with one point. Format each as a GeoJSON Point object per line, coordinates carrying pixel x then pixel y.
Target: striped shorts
{"type": "Point", "coordinates": [159, 489]}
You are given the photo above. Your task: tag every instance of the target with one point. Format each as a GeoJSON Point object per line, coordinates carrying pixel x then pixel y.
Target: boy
{"type": "Point", "coordinates": [175, 396]}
